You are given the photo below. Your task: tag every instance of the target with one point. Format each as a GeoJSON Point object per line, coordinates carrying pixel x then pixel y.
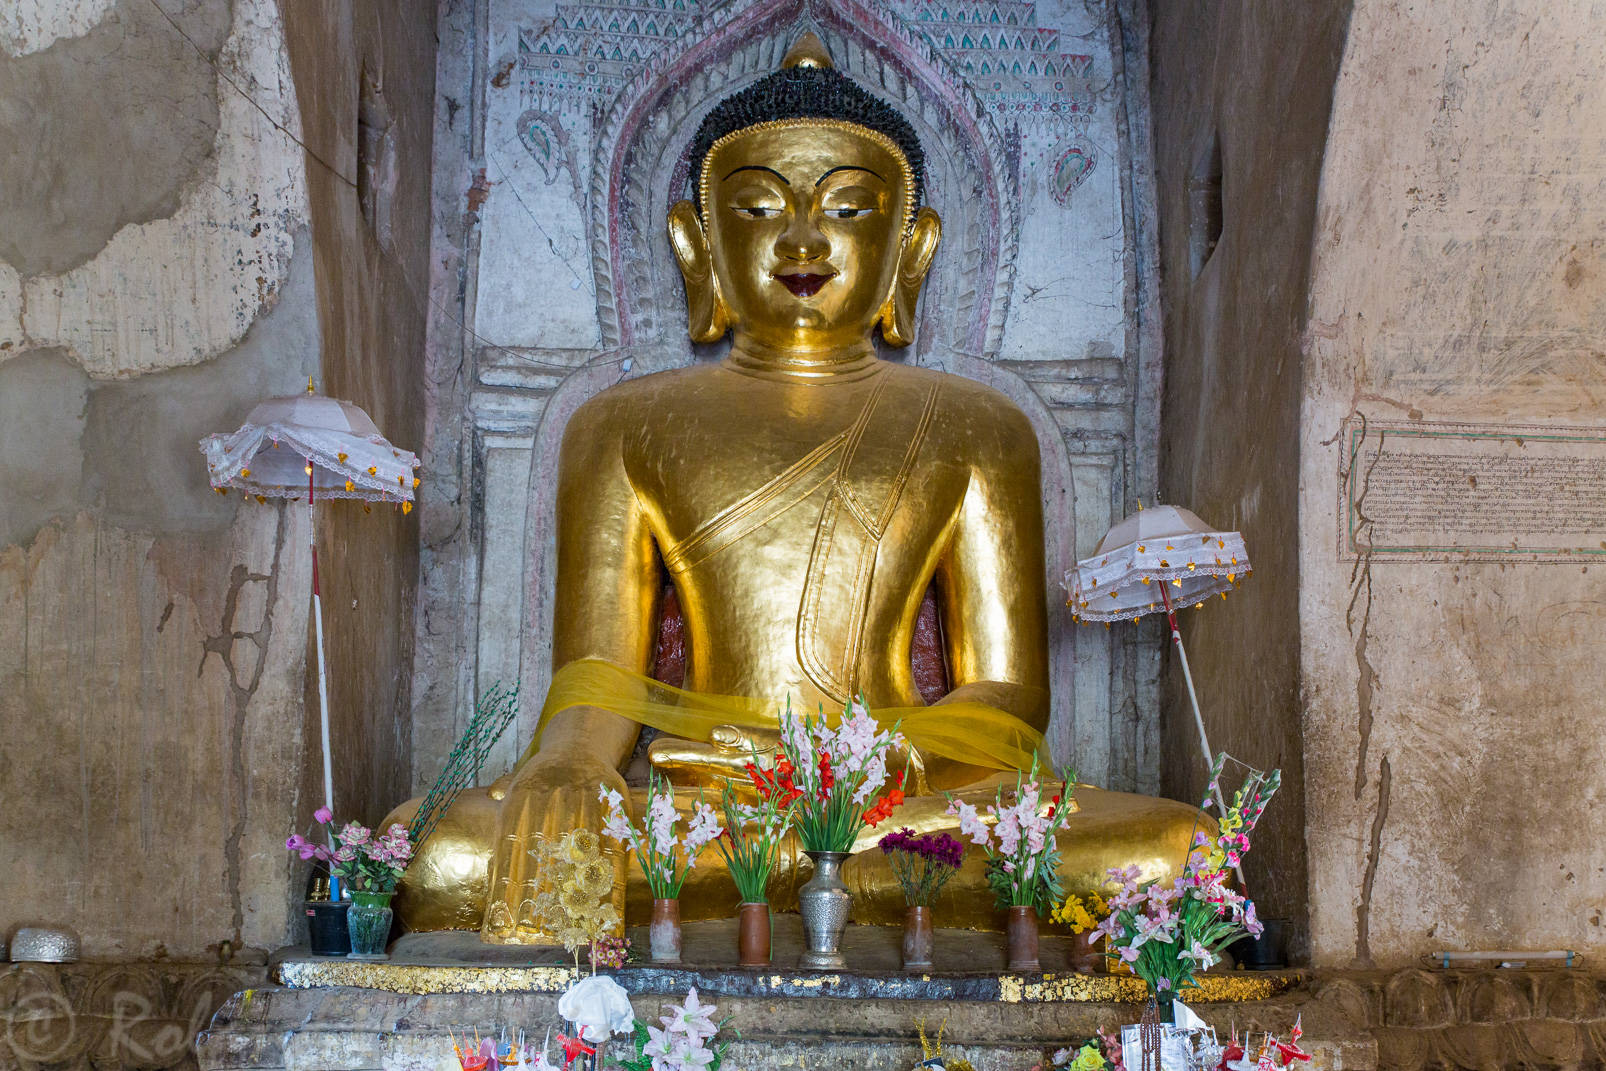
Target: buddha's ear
{"type": "Point", "coordinates": [914, 261]}
{"type": "Point", "coordinates": [707, 318]}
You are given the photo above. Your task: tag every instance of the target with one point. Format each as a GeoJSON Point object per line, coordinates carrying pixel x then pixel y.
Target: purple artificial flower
{"type": "Point", "coordinates": [900, 841]}
{"type": "Point", "coordinates": [948, 851]}
{"type": "Point", "coordinates": [324, 815]}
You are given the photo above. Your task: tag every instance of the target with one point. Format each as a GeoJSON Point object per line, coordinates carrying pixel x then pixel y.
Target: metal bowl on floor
{"type": "Point", "coordinates": [43, 944]}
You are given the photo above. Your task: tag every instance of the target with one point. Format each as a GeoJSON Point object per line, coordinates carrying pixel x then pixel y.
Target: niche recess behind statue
{"type": "Point", "coordinates": [570, 286]}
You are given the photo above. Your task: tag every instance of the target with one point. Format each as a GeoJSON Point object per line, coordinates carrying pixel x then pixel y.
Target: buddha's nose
{"type": "Point", "coordinates": [802, 241]}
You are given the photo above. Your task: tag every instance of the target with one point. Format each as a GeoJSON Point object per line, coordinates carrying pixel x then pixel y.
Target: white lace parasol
{"type": "Point", "coordinates": [1161, 548]}
{"type": "Point", "coordinates": [323, 448]}
{"type": "Point", "coordinates": [1154, 561]}
{"type": "Point", "coordinates": [269, 455]}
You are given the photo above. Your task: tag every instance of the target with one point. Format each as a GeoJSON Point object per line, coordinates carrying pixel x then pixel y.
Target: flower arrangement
{"type": "Point", "coordinates": [836, 772]}
{"type": "Point", "coordinates": [751, 841]}
{"type": "Point", "coordinates": [687, 1041]}
{"type": "Point", "coordinates": [368, 864]}
{"type": "Point", "coordinates": [923, 864]}
{"type": "Point", "coordinates": [574, 902]}
{"type": "Point", "coordinates": [1081, 914]}
{"type": "Point", "coordinates": [1167, 934]}
{"type": "Point", "coordinates": [1022, 857]}
{"type": "Point", "coordinates": [666, 857]}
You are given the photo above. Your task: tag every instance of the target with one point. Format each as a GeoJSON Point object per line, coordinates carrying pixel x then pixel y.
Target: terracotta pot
{"type": "Point", "coordinates": [664, 935]}
{"type": "Point", "coordinates": [917, 939]}
{"type": "Point", "coordinates": [1021, 931]}
{"type": "Point", "coordinates": [753, 935]}
{"type": "Point", "coordinates": [1086, 957]}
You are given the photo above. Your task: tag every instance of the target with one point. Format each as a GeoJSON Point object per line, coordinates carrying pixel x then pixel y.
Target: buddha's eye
{"type": "Point", "coordinates": [756, 211]}
{"type": "Point", "coordinates": [847, 213]}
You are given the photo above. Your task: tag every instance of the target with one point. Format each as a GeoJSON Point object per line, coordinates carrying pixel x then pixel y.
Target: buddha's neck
{"type": "Point", "coordinates": [753, 357]}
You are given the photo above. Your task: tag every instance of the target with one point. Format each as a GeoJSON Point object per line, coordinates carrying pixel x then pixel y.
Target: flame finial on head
{"type": "Point", "coordinates": [809, 51]}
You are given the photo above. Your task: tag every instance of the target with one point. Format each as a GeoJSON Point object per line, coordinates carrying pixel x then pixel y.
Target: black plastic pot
{"type": "Point", "coordinates": [326, 927]}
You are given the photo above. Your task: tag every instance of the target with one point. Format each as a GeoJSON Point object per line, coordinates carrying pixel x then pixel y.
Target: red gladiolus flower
{"type": "Point", "coordinates": [883, 807]}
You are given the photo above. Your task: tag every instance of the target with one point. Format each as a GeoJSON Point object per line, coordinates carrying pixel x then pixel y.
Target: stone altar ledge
{"type": "Point", "coordinates": [970, 967]}
{"type": "Point", "coordinates": [344, 1015]}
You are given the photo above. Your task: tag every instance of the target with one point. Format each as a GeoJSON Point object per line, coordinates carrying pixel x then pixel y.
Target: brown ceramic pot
{"type": "Point", "coordinates": [1086, 957]}
{"type": "Point", "coordinates": [664, 935]}
{"type": "Point", "coordinates": [917, 939]}
{"type": "Point", "coordinates": [1020, 930]}
{"type": "Point", "coordinates": [753, 935]}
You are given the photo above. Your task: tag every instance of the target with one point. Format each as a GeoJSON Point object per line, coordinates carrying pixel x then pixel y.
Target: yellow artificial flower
{"type": "Point", "coordinates": [596, 877]}
{"type": "Point", "coordinates": [585, 843]}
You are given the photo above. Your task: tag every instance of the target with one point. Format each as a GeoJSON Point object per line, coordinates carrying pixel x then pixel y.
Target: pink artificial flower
{"type": "Point", "coordinates": [1252, 924]}
{"type": "Point", "coordinates": [354, 834]}
{"type": "Point", "coordinates": [1162, 983]}
{"type": "Point", "coordinates": [324, 815]}
{"type": "Point", "coordinates": [1129, 954]}
{"type": "Point", "coordinates": [1126, 876]}
{"type": "Point", "coordinates": [970, 823]}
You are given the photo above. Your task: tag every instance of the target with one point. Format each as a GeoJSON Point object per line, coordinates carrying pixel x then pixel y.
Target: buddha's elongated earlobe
{"type": "Point", "coordinates": [707, 318]}
{"type": "Point", "coordinates": [914, 261]}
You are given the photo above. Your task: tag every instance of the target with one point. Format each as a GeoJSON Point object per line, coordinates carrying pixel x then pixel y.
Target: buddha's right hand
{"type": "Point", "coordinates": [554, 792]}
{"type": "Point", "coordinates": [722, 759]}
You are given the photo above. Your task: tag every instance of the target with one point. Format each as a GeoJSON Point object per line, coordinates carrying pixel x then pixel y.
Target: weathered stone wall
{"type": "Point", "coordinates": [1242, 92]}
{"type": "Point", "coordinates": [1453, 709]}
{"type": "Point", "coordinates": [155, 281]}
{"type": "Point", "coordinates": [365, 72]}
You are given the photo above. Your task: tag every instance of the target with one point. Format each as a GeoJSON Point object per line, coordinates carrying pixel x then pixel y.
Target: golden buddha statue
{"type": "Point", "coordinates": [801, 495]}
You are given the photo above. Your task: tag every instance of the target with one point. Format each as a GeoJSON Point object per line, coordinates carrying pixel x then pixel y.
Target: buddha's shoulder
{"type": "Point", "coordinates": [631, 401]}
{"type": "Point", "coordinates": [976, 413]}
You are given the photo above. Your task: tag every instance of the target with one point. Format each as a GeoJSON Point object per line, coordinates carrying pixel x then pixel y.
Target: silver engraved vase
{"type": "Point", "coordinates": [824, 904]}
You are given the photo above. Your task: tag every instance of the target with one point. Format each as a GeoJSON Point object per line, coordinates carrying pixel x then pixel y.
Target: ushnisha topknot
{"type": "Point", "coordinates": [806, 91]}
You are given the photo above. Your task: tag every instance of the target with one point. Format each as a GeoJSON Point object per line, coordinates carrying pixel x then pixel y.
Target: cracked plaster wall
{"type": "Point", "coordinates": [1258, 76]}
{"type": "Point", "coordinates": [1453, 711]}
{"type": "Point", "coordinates": [155, 282]}
{"type": "Point", "coordinates": [365, 77]}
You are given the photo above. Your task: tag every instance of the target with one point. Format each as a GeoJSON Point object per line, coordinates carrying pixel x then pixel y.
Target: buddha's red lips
{"type": "Point", "coordinates": [804, 284]}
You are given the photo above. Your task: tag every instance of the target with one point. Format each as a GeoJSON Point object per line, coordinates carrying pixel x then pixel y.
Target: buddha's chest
{"type": "Point", "coordinates": [738, 481]}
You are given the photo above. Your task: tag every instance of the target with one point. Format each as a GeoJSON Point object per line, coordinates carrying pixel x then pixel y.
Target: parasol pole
{"type": "Point", "coordinates": [323, 678]}
{"type": "Point", "coordinates": [1176, 636]}
{"type": "Point", "coordinates": [1193, 697]}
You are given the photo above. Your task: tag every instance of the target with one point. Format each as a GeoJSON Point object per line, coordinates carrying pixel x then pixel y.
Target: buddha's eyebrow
{"type": "Point", "coordinates": [846, 167]}
{"type": "Point", "coordinates": [756, 167]}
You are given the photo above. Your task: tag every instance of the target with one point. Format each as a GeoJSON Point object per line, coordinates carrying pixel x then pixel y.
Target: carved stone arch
{"type": "Point", "coordinates": [639, 170]}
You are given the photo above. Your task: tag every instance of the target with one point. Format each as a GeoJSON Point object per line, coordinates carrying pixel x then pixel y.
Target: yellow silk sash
{"type": "Point", "coordinates": [965, 732]}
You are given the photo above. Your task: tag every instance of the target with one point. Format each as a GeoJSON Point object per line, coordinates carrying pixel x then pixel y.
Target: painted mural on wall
{"type": "Point", "coordinates": [1030, 76]}
{"type": "Point", "coordinates": [589, 107]}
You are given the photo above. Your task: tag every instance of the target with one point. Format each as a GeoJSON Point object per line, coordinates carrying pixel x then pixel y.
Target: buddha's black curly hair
{"type": "Point", "coordinates": [805, 93]}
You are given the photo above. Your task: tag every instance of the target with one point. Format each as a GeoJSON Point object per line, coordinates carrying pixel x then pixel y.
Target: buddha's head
{"type": "Point", "coordinates": [807, 231]}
